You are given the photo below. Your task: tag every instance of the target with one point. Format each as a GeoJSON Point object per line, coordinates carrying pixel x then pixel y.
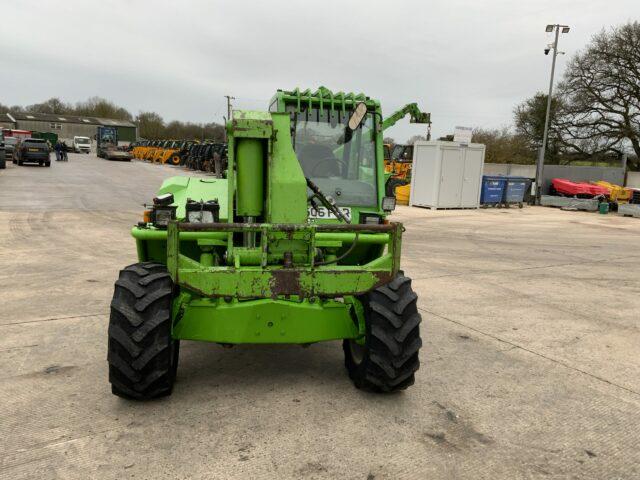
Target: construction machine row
{"type": "Point", "coordinates": [207, 156]}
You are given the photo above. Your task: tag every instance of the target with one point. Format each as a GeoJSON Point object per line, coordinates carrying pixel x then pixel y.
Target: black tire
{"type": "Point", "coordinates": [47, 164]}
{"type": "Point", "coordinates": [3, 164]}
{"type": "Point", "coordinates": [142, 356]}
{"type": "Point", "coordinates": [388, 360]}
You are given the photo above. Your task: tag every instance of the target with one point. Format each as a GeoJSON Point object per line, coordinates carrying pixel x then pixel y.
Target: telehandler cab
{"type": "Point", "coordinates": [293, 246]}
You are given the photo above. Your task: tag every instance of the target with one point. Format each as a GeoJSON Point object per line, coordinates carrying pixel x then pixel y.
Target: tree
{"type": "Point", "coordinates": [150, 125]}
{"type": "Point", "coordinates": [389, 140]}
{"type": "Point", "coordinates": [54, 106]}
{"type": "Point", "coordinates": [214, 131]}
{"type": "Point", "coordinates": [503, 146]}
{"type": "Point", "coordinates": [529, 119]}
{"type": "Point", "coordinates": [601, 93]}
{"type": "Point", "coordinates": [415, 138]}
{"type": "Point", "coordinates": [100, 107]}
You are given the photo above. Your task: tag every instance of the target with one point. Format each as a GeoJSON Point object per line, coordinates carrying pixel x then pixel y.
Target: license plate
{"type": "Point", "coordinates": [34, 149]}
{"type": "Point", "coordinates": [323, 213]}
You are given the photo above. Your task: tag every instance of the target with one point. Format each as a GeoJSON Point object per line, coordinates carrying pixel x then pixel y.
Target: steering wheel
{"type": "Point", "coordinates": [343, 165]}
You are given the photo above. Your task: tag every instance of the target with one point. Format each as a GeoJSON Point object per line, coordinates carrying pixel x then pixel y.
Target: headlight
{"type": "Point", "coordinates": [203, 212]}
{"type": "Point", "coordinates": [162, 215]}
{"type": "Point", "coordinates": [200, 216]}
{"type": "Point", "coordinates": [370, 219]}
{"type": "Point", "coordinates": [388, 204]}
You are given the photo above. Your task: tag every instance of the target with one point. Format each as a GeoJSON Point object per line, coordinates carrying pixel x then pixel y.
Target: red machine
{"type": "Point", "coordinates": [573, 189]}
{"type": "Point", "coordinates": [7, 132]}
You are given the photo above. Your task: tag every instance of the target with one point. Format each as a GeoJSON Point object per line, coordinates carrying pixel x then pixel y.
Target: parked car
{"type": "Point", "coordinates": [81, 144]}
{"type": "Point", "coordinates": [9, 146]}
{"type": "Point", "coordinates": [34, 150]}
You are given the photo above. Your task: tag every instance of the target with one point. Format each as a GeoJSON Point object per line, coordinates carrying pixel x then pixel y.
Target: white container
{"type": "Point", "coordinates": [446, 174]}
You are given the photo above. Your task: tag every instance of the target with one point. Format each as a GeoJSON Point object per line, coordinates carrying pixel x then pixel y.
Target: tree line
{"type": "Point", "coordinates": [150, 124]}
{"type": "Point", "coordinates": [594, 115]}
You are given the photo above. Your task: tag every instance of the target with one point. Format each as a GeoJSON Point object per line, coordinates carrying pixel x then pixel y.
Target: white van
{"type": "Point", "coordinates": [81, 144]}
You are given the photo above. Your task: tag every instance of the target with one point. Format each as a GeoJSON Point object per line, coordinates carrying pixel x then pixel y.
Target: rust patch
{"type": "Point", "coordinates": [383, 278]}
{"type": "Point", "coordinates": [285, 282]}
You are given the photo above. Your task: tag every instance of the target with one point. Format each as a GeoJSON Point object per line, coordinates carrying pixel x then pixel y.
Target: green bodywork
{"type": "Point", "coordinates": [266, 272]}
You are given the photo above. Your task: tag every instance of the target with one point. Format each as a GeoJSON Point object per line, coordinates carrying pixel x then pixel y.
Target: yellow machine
{"type": "Point", "coordinates": [397, 164]}
{"type": "Point", "coordinates": [139, 150]}
{"type": "Point", "coordinates": [402, 194]}
{"type": "Point", "coordinates": [400, 161]}
{"type": "Point", "coordinates": [151, 151]}
{"type": "Point", "coordinates": [166, 152]}
{"type": "Point", "coordinates": [160, 154]}
{"type": "Point", "coordinates": [616, 192]}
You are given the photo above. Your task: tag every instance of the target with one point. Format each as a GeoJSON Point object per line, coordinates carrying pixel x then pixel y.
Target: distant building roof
{"type": "Point", "coordinates": [62, 118]}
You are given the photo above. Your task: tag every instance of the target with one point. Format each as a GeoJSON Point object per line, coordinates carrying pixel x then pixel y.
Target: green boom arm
{"type": "Point", "coordinates": [411, 108]}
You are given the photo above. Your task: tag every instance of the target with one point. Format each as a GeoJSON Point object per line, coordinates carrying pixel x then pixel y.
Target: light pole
{"type": "Point", "coordinates": [551, 47]}
{"type": "Point", "coordinates": [229, 98]}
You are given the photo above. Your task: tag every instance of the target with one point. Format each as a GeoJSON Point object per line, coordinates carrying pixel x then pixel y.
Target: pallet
{"type": "Point", "coordinates": [585, 204]}
{"type": "Point", "coordinates": [629, 210]}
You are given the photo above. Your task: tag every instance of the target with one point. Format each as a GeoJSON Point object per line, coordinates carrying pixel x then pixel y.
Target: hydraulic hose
{"type": "Point", "coordinates": [336, 260]}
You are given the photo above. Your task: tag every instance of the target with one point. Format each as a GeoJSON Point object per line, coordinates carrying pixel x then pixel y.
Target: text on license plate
{"type": "Point", "coordinates": [322, 212]}
{"type": "Point", "coordinates": [34, 150]}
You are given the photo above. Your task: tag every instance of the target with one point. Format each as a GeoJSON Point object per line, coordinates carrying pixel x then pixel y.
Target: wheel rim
{"type": "Point", "coordinates": [357, 352]}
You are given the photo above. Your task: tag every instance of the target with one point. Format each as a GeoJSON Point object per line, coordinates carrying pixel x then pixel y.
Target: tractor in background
{"type": "Point", "coordinates": [399, 158]}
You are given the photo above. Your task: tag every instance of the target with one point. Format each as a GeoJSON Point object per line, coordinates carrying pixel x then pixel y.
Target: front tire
{"type": "Point", "coordinates": [388, 360]}
{"type": "Point", "coordinates": [142, 355]}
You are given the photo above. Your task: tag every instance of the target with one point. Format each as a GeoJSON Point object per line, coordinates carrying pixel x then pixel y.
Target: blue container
{"type": "Point", "coordinates": [492, 190]}
{"type": "Point", "coordinates": [515, 190]}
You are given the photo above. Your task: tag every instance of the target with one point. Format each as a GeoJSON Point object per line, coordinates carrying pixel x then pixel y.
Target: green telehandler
{"type": "Point", "coordinates": [293, 246]}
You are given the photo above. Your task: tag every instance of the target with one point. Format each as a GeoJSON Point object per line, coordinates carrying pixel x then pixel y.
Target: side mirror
{"type": "Point", "coordinates": [357, 116]}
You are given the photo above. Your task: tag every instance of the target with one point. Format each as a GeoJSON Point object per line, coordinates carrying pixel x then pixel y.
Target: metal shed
{"type": "Point", "coordinates": [446, 174]}
{"type": "Point", "coordinates": [69, 126]}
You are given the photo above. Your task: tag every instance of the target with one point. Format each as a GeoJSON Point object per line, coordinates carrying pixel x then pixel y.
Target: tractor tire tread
{"type": "Point", "coordinates": [393, 340]}
{"type": "Point", "coordinates": [142, 355]}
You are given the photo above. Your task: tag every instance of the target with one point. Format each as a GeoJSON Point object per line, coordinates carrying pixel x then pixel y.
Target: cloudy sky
{"type": "Point", "coordinates": [466, 61]}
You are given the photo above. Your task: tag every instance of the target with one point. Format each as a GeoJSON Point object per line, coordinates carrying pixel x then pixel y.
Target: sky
{"type": "Point", "coordinates": [468, 62]}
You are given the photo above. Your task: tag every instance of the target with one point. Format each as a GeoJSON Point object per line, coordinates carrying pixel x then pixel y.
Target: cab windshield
{"type": "Point", "coordinates": [402, 153]}
{"type": "Point", "coordinates": [82, 140]}
{"type": "Point", "coordinates": [341, 162]}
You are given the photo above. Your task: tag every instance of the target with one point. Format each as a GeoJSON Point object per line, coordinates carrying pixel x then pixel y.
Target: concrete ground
{"type": "Point", "coordinates": [529, 367]}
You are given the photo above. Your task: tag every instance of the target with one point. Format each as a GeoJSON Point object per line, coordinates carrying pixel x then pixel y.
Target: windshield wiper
{"type": "Point", "coordinates": [326, 201]}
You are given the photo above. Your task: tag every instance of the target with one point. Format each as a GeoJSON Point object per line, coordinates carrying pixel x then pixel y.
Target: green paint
{"type": "Point", "coordinates": [287, 184]}
{"type": "Point", "coordinates": [264, 321]}
{"type": "Point", "coordinates": [250, 177]}
{"type": "Point", "coordinates": [197, 189]}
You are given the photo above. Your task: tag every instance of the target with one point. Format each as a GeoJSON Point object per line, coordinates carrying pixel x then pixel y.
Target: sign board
{"type": "Point", "coordinates": [462, 134]}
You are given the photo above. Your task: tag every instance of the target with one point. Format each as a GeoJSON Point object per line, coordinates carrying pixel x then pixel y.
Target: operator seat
{"type": "Point", "coordinates": [318, 161]}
